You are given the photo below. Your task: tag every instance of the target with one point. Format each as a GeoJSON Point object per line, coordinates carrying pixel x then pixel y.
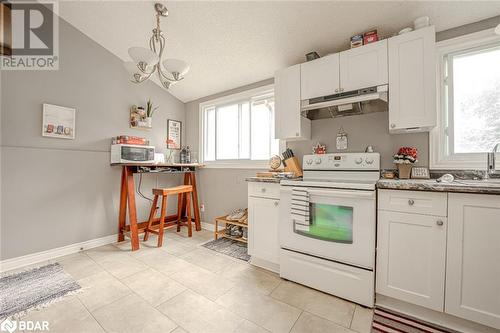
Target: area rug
{"type": "Point", "coordinates": [391, 322]}
{"type": "Point", "coordinates": [33, 289]}
{"type": "Point", "coordinates": [229, 247]}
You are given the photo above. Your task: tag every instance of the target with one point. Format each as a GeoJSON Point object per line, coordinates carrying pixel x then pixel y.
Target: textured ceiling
{"type": "Point", "coordinates": [231, 44]}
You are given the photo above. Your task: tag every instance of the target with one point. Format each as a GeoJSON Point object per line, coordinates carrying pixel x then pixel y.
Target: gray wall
{"type": "Point", "coordinates": [57, 192]}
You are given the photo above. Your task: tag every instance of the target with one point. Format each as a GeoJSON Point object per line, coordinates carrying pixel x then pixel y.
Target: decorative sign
{"type": "Point", "coordinates": [341, 140]}
{"type": "Point", "coordinates": [174, 134]}
{"type": "Point", "coordinates": [58, 122]}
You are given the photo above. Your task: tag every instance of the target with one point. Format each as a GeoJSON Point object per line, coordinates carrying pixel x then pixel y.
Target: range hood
{"type": "Point", "coordinates": [348, 103]}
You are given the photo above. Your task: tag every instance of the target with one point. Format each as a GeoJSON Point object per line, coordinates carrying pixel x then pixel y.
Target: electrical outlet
{"type": "Point", "coordinates": [202, 207]}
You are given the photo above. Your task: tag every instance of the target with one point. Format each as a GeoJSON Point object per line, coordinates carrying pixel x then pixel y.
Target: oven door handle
{"type": "Point", "coordinates": [343, 194]}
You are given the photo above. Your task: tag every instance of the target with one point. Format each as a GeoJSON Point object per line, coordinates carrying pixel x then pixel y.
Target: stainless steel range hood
{"type": "Point", "coordinates": [347, 103]}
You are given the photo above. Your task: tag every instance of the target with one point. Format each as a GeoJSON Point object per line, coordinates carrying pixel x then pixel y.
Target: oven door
{"type": "Point", "coordinates": [341, 225]}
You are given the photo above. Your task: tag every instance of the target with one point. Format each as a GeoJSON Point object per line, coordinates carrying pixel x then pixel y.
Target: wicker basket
{"type": "Point", "coordinates": [404, 171]}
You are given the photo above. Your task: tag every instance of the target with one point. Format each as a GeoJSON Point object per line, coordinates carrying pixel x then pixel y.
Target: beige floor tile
{"type": "Point", "coordinates": [102, 251]}
{"type": "Point", "coordinates": [24, 268]}
{"type": "Point", "coordinates": [164, 262]}
{"type": "Point", "coordinates": [362, 320]}
{"type": "Point", "coordinates": [263, 310]}
{"type": "Point", "coordinates": [68, 315]}
{"type": "Point", "coordinates": [121, 264]}
{"type": "Point", "coordinates": [203, 282]}
{"type": "Point", "coordinates": [196, 313]}
{"type": "Point", "coordinates": [79, 265]}
{"type": "Point", "coordinates": [207, 259]}
{"type": "Point", "coordinates": [309, 323]}
{"type": "Point", "coordinates": [179, 330]}
{"type": "Point", "coordinates": [144, 247]}
{"type": "Point", "coordinates": [329, 307]}
{"type": "Point", "coordinates": [101, 289]}
{"type": "Point", "coordinates": [177, 247]}
{"type": "Point", "coordinates": [133, 314]}
{"type": "Point", "coordinates": [247, 276]}
{"type": "Point", "coordinates": [249, 327]}
{"type": "Point", "coordinates": [153, 286]}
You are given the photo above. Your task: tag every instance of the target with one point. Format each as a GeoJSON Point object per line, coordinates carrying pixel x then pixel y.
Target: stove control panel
{"type": "Point", "coordinates": [342, 161]}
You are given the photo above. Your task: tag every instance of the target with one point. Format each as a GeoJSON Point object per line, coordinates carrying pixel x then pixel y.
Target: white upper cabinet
{"type": "Point", "coordinates": [473, 258]}
{"type": "Point", "coordinates": [289, 124]}
{"type": "Point", "coordinates": [412, 81]}
{"type": "Point", "coordinates": [364, 66]}
{"type": "Point", "coordinates": [320, 77]}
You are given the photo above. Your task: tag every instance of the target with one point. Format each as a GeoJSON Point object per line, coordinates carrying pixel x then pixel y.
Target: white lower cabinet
{"type": "Point", "coordinates": [411, 255]}
{"type": "Point", "coordinates": [263, 219]}
{"type": "Point", "coordinates": [473, 258]}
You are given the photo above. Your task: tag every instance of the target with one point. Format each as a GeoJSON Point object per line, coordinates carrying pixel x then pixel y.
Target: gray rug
{"type": "Point", "coordinates": [229, 247]}
{"type": "Point", "coordinates": [34, 288]}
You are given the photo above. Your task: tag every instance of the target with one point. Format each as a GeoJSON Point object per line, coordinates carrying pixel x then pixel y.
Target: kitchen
{"type": "Point", "coordinates": [360, 168]}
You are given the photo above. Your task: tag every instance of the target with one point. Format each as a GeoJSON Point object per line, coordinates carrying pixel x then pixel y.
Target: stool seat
{"type": "Point", "coordinates": [173, 190]}
{"type": "Point", "coordinates": [182, 191]}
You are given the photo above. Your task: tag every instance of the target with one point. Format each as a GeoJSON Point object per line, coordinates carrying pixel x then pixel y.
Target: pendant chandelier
{"type": "Point", "coordinates": [147, 62]}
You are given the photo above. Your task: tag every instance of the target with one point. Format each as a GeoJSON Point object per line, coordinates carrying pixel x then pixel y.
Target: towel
{"type": "Point", "coordinates": [300, 206]}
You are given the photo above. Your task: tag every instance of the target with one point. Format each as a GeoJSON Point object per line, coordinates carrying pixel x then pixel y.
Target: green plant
{"type": "Point", "coordinates": [150, 109]}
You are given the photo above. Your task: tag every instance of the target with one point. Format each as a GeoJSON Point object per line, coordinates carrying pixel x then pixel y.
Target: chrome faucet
{"type": "Point", "coordinates": [491, 162]}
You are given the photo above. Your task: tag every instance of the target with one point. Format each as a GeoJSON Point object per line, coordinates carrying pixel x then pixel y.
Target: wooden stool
{"type": "Point", "coordinates": [183, 190]}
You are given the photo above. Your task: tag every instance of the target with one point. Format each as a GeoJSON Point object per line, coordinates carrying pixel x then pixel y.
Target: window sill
{"type": "Point", "coordinates": [237, 165]}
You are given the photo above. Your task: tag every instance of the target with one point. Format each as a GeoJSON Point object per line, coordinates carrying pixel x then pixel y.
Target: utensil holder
{"type": "Point", "coordinates": [293, 165]}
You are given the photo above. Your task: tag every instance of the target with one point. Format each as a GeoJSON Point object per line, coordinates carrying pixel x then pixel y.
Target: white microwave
{"type": "Point", "coordinates": [125, 153]}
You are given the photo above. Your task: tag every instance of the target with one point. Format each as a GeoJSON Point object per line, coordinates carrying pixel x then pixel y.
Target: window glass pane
{"type": "Point", "coordinates": [476, 101]}
{"type": "Point", "coordinates": [245, 131]}
{"type": "Point", "coordinates": [275, 143]}
{"type": "Point", "coordinates": [209, 134]}
{"type": "Point", "coordinates": [227, 132]}
{"type": "Point", "coordinates": [261, 130]}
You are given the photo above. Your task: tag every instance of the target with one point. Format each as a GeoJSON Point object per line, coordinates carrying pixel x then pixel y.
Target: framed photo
{"type": "Point", "coordinates": [58, 122]}
{"type": "Point", "coordinates": [174, 134]}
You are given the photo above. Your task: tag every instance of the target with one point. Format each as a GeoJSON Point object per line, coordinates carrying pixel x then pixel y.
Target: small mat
{"type": "Point", "coordinates": [391, 322]}
{"type": "Point", "coordinates": [229, 247]}
{"type": "Point", "coordinates": [34, 288]}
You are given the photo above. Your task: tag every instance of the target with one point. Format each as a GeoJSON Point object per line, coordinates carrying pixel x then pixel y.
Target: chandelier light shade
{"type": "Point", "coordinates": [147, 62]}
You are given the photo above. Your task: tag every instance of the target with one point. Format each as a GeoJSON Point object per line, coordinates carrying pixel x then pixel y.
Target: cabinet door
{"type": "Point", "coordinates": [320, 77]}
{"type": "Point", "coordinates": [412, 81]}
{"type": "Point", "coordinates": [288, 122]}
{"type": "Point", "coordinates": [473, 258]}
{"type": "Point", "coordinates": [263, 218]}
{"type": "Point", "coordinates": [364, 67]}
{"type": "Point", "coordinates": [411, 253]}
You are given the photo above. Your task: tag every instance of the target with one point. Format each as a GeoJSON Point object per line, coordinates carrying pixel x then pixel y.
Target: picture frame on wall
{"type": "Point", "coordinates": [58, 122]}
{"type": "Point", "coordinates": [174, 134]}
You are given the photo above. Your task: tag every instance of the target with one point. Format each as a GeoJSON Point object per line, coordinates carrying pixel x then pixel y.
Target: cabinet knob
{"type": "Point", "coordinates": [439, 222]}
{"type": "Point", "coordinates": [263, 189]}
{"type": "Point", "coordinates": [296, 133]}
{"type": "Point", "coordinates": [393, 125]}
{"type": "Point", "coordinates": [411, 202]}
{"type": "Point", "coordinates": [337, 90]}
{"type": "Point", "coordinates": [276, 203]}
{"type": "Point", "coordinates": [341, 89]}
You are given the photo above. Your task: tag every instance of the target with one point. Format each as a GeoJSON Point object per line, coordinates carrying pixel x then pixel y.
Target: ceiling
{"type": "Point", "coordinates": [232, 43]}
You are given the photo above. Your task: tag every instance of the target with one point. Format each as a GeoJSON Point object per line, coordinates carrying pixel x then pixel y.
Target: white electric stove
{"type": "Point", "coordinates": [334, 251]}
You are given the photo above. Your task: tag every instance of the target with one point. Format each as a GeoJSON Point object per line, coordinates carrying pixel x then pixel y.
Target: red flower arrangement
{"type": "Point", "coordinates": [406, 155]}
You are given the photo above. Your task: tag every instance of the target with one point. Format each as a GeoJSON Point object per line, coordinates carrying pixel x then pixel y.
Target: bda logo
{"type": "Point", "coordinates": [8, 325]}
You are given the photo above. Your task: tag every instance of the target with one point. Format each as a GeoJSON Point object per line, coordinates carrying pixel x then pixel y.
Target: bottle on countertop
{"type": "Point", "coordinates": [185, 155]}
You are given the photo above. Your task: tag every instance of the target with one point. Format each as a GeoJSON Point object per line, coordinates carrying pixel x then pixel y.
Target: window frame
{"type": "Point", "coordinates": [246, 95]}
{"type": "Point", "coordinates": [438, 139]}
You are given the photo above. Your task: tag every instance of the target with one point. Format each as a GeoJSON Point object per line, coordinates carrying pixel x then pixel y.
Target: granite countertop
{"type": "Point", "coordinates": [462, 186]}
{"type": "Point", "coordinates": [263, 179]}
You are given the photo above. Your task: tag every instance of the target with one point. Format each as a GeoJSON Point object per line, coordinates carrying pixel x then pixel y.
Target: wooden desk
{"type": "Point", "coordinates": [127, 198]}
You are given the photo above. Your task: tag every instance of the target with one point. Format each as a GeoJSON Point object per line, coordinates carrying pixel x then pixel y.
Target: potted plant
{"type": "Point", "coordinates": [150, 109]}
{"type": "Point", "coordinates": [404, 159]}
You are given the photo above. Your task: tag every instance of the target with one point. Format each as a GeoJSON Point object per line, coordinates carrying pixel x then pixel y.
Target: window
{"type": "Point", "coordinates": [469, 102]}
{"type": "Point", "coordinates": [238, 130]}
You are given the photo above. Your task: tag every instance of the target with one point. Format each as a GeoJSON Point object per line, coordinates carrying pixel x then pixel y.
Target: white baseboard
{"type": "Point", "coordinates": [33, 258]}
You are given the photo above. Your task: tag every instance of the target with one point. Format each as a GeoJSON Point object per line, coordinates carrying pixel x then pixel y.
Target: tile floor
{"type": "Point", "coordinates": [184, 287]}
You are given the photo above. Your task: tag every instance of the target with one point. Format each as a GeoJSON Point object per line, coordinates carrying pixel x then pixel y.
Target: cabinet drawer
{"type": "Point", "coordinates": [427, 203]}
{"type": "Point", "coordinates": [264, 190]}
